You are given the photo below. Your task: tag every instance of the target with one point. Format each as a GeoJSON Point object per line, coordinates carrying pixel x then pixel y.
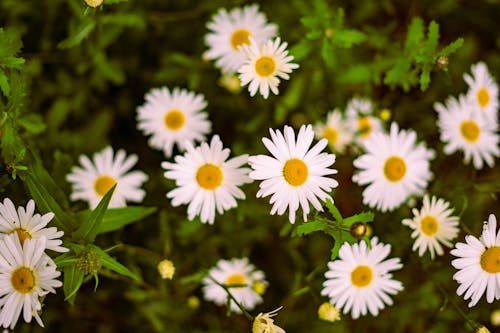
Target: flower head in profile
{"type": "Point", "coordinates": [230, 30]}
{"type": "Point", "coordinates": [433, 226]}
{"type": "Point", "coordinates": [264, 323]}
{"type": "Point", "coordinates": [239, 276]}
{"type": "Point", "coordinates": [94, 179]}
{"type": "Point", "coordinates": [26, 274]}
{"type": "Point", "coordinates": [335, 130]}
{"type": "Point", "coordinates": [28, 225]}
{"type": "Point", "coordinates": [173, 117]}
{"type": "Point", "coordinates": [265, 64]}
{"type": "Point", "coordinates": [394, 167]}
{"type": "Point", "coordinates": [462, 128]}
{"type": "Point", "coordinates": [296, 174]}
{"type": "Point", "coordinates": [478, 264]}
{"type": "Point", "coordinates": [483, 92]}
{"type": "Point", "coordinates": [360, 280]}
{"type": "Point", "coordinates": [206, 180]}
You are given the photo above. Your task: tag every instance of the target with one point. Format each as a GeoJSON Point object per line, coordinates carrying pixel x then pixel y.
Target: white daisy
{"type": "Point", "coordinates": [335, 130]}
{"type": "Point", "coordinates": [93, 180]}
{"type": "Point", "coordinates": [359, 106]}
{"type": "Point", "coordinates": [359, 281]}
{"type": "Point", "coordinates": [264, 65]}
{"type": "Point", "coordinates": [28, 225]}
{"type": "Point", "coordinates": [478, 264]}
{"type": "Point", "coordinates": [483, 91]}
{"type": "Point", "coordinates": [173, 118]}
{"type": "Point", "coordinates": [295, 175]}
{"type": "Point", "coordinates": [231, 30]}
{"type": "Point", "coordinates": [239, 276]}
{"type": "Point", "coordinates": [361, 120]}
{"type": "Point", "coordinates": [394, 166]}
{"type": "Point", "coordinates": [206, 180]}
{"type": "Point", "coordinates": [26, 274]}
{"type": "Point", "coordinates": [462, 128]}
{"type": "Point", "coordinates": [433, 225]}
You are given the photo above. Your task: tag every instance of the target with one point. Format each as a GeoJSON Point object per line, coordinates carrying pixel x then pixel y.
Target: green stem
{"type": "Point", "coordinates": [230, 295]}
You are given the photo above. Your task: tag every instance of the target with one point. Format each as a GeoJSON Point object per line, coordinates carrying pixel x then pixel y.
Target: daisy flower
{"type": "Point", "coordinates": [359, 281]}
{"type": "Point", "coordinates": [433, 225]}
{"type": "Point", "coordinates": [264, 323]}
{"type": "Point", "coordinates": [361, 121]}
{"type": "Point", "coordinates": [206, 180]}
{"type": "Point", "coordinates": [295, 175]}
{"type": "Point", "coordinates": [335, 130]}
{"type": "Point", "coordinates": [478, 264]}
{"type": "Point", "coordinates": [174, 117]}
{"type": "Point", "coordinates": [483, 92]}
{"type": "Point", "coordinates": [394, 167]}
{"type": "Point", "coordinates": [228, 31]}
{"type": "Point", "coordinates": [264, 65]}
{"type": "Point", "coordinates": [462, 128]}
{"type": "Point", "coordinates": [359, 105]}
{"type": "Point", "coordinates": [239, 276]}
{"type": "Point", "coordinates": [26, 274]}
{"type": "Point", "coordinates": [93, 180]}
{"type": "Point", "coordinates": [28, 225]}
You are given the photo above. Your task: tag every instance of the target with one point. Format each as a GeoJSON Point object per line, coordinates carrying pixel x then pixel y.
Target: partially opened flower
{"type": "Point", "coordinates": [28, 225]}
{"type": "Point", "coordinates": [296, 174]}
{"type": "Point", "coordinates": [394, 167]}
{"type": "Point", "coordinates": [93, 180]}
{"type": "Point", "coordinates": [433, 226]}
{"type": "Point", "coordinates": [360, 280]}
{"type": "Point", "coordinates": [478, 264]}
{"type": "Point", "coordinates": [26, 274]}
{"type": "Point", "coordinates": [206, 180]}
{"type": "Point", "coordinates": [265, 64]}
{"type": "Point", "coordinates": [239, 276]}
{"type": "Point", "coordinates": [483, 92]}
{"type": "Point", "coordinates": [230, 30]}
{"type": "Point", "coordinates": [264, 323]}
{"type": "Point", "coordinates": [173, 117]}
{"type": "Point", "coordinates": [335, 130]}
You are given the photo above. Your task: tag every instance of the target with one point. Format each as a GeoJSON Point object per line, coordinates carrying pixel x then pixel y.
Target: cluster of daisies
{"type": "Point", "coordinates": [27, 273]}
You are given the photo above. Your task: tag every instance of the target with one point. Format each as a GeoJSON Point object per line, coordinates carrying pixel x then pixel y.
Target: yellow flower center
{"type": "Point", "coordinates": [174, 120]}
{"type": "Point", "coordinates": [265, 66]}
{"type": "Point", "coordinates": [429, 225]}
{"type": "Point", "coordinates": [331, 135]}
{"type": "Point", "coordinates": [209, 176]}
{"type": "Point", "coordinates": [23, 234]}
{"type": "Point", "coordinates": [483, 97]}
{"type": "Point", "coordinates": [490, 260]}
{"type": "Point", "coordinates": [235, 280]}
{"type": "Point", "coordinates": [103, 184]}
{"type": "Point", "coordinates": [23, 280]}
{"type": "Point", "coordinates": [362, 276]}
{"type": "Point", "coordinates": [364, 126]}
{"type": "Point", "coordinates": [470, 131]}
{"type": "Point", "coordinates": [240, 37]}
{"type": "Point", "coordinates": [295, 172]}
{"type": "Point", "coordinates": [394, 168]}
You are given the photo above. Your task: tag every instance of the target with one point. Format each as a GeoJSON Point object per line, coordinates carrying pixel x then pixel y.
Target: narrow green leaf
{"type": "Point", "coordinates": [346, 38]}
{"type": "Point", "coordinates": [112, 264]}
{"type": "Point", "coordinates": [425, 78]}
{"type": "Point", "coordinates": [451, 48]}
{"type": "Point", "coordinates": [432, 38]}
{"type": "Point", "coordinates": [65, 259]}
{"type": "Point", "coordinates": [364, 217]}
{"type": "Point", "coordinates": [310, 227]}
{"type": "Point", "coordinates": [4, 84]}
{"type": "Point", "coordinates": [90, 227]}
{"type": "Point", "coordinates": [301, 49]}
{"type": "Point", "coordinates": [334, 211]}
{"type": "Point", "coordinates": [116, 218]}
{"type": "Point", "coordinates": [338, 241]}
{"type": "Point", "coordinates": [33, 123]}
{"type": "Point", "coordinates": [415, 35]}
{"type": "Point", "coordinates": [328, 53]}
{"type": "Point", "coordinates": [356, 74]}
{"type": "Point", "coordinates": [73, 279]}
{"type": "Point", "coordinates": [75, 39]}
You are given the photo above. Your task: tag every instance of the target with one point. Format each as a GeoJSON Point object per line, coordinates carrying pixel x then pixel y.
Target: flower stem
{"type": "Point", "coordinates": [231, 296]}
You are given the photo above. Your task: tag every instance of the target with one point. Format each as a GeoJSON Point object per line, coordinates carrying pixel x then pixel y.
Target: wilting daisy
{"type": "Point", "coordinates": [93, 180]}
{"type": "Point", "coordinates": [478, 264]}
{"type": "Point", "coordinates": [26, 274]}
{"type": "Point", "coordinates": [394, 167]}
{"type": "Point", "coordinates": [295, 175]}
{"type": "Point", "coordinates": [240, 277]}
{"type": "Point", "coordinates": [335, 130]}
{"type": "Point", "coordinates": [433, 225]}
{"type": "Point", "coordinates": [28, 225]}
{"type": "Point", "coordinates": [462, 128]}
{"type": "Point", "coordinates": [483, 92]}
{"type": "Point", "coordinates": [174, 117]}
{"type": "Point", "coordinates": [359, 281]}
{"type": "Point", "coordinates": [265, 63]}
{"type": "Point", "coordinates": [206, 180]}
{"type": "Point", "coordinates": [264, 323]}
{"type": "Point", "coordinates": [231, 30]}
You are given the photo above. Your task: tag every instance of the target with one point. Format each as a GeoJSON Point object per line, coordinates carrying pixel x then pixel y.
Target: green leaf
{"type": "Point", "coordinates": [346, 38]}
{"type": "Point", "coordinates": [73, 279]}
{"type": "Point", "coordinates": [33, 123]}
{"type": "Point", "coordinates": [356, 74]}
{"type": "Point", "coordinates": [415, 35]}
{"type": "Point", "coordinates": [116, 218]}
{"type": "Point", "coordinates": [432, 38]}
{"type": "Point", "coordinates": [451, 48]}
{"type": "Point", "coordinates": [112, 264]}
{"type": "Point", "coordinates": [301, 49]}
{"type": "Point", "coordinates": [328, 53]}
{"type": "Point", "coordinates": [4, 84]}
{"type": "Point", "coordinates": [90, 227]}
{"type": "Point", "coordinates": [425, 78]}
{"type": "Point", "coordinates": [65, 259]}
{"type": "Point", "coordinates": [338, 241]}
{"type": "Point", "coordinates": [364, 217]}
{"type": "Point", "coordinates": [131, 20]}
{"type": "Point", "coordinates": [82, 32]}
{"type": "Point", "coordinates": [310, 227]}
{"type": "Point", "coordinates": [334, 211]}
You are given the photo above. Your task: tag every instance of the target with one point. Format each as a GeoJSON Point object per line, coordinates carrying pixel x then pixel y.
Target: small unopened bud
{"type": "Point", "coordinates": [231, 83]}
{"type": "Point", "coordinates": [358, 230]}
{"type": "Point", "coordinates": [481, 329]}
{"type": "Point", "coordinates": [385, 114]}
{"type": "Point", "coordinates": [442, 62]}
{"type": "Point", "coordinates": [328, 33]}
{"type": "Point", "coordinates": [328, 312]}
{"type": "Point", "coordinates": [495, 317]}
{"type": "Point", "coordinates": [259, 287]}
{"type": "Point", "coordinates": [89, 262]}
{"type": "Point", "coordinates": [193, 302]}
{"type": "Point", "coordinates": [166, 269]}
{"type": "Point", "coordinates": [94, 3]}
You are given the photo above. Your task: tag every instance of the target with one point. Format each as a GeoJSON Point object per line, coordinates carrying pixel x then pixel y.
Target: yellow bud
{"type": "Point", "coordinates": [94, 3]}
{"type": "Point", "coordinates": [328, 312]}
{"type": "Point", "coordinates": [166, 269]}
{"type": "Point", "coordinates": [193, 302]}
{"type": "Point", "coordinates": [495, 317]}
{"type": "Point", "coordinates": [231, 83]}
{"type": "Point", "coordinates": [259, 287]}
{"type": "Point", "coordinates": [481, 329]}
{"type": "Point", "coordinates": [385, 114]}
